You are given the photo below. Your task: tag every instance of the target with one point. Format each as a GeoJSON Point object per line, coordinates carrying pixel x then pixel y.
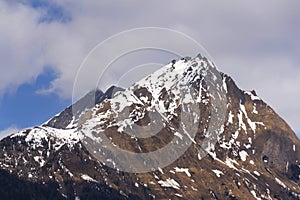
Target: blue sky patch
{"type": "Point", "coordinates": [52, 11]}
{"type": "Point", "coordinates": [26, 108]}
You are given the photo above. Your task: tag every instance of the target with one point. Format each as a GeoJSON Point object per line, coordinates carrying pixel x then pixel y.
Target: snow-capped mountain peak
{"type": "Point", "coordinates": [214, 141]}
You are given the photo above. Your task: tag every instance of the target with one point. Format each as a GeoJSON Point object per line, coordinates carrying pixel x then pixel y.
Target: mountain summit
{"type": "Point", "coordinates": [184, 132]}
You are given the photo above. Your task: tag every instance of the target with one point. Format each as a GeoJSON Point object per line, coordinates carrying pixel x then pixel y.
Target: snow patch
{"type": "Point", "coordinates": [230, 163]}
{"type": "Point", "coordinates": [169, 183]}
{"type": "Point", "coordinates": [243, 155]}
{"type": "Point", "coordinates": [252, 125]}
{"type": "Point", "coordinates": [256, 173]}
{"type": "Point", "coordinates": [40, 160]}
{"type": "Point", "coordinates": [230, 118]}
{"type": "Point", "coordinates": [87, 178]}
{"type": "Point", "coordinates": [225, 85]}
{"type": "Point", "coordinates": [252, 96]}
{"type": "Point", "coordinates": [178, 135]}
{"type": "Point", "coordinates": [254, 195]}
{"type": "Point", "coordinates": [218, 172]}
{"type": "Point", "coordinates": [185, 170]}
{"type": "Point", "coordinates": [280, 183]}
{"type": "Point", "coordinates": [37, 135]}
{"type": "Point", "coordinates": [179, 195]}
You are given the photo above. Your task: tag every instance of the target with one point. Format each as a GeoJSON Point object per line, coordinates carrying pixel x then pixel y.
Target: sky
{"type": "Point", "coordinates": [43, 43]}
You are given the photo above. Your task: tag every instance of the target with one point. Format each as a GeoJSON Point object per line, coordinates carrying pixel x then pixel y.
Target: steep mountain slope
{"type": "Point", "coordinates": [229, 143]}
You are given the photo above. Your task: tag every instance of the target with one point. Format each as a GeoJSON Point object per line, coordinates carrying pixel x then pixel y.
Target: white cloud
{"type": "Point", "coordinates": [256, 42]}
{"type": "Point", "coordinates": [8, 131]}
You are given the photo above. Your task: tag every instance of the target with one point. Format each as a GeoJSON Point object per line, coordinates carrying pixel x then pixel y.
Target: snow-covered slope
{"type": "Point", "coordinates": [169, 100]}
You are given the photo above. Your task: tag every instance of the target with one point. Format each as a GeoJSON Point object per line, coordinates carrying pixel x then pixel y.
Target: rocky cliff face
{"type": "Point", "coordinates": [217, 141]}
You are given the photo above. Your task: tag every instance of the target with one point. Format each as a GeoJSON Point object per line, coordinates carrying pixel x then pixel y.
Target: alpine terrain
{"type": "Point", "coordinates": [184, 132]}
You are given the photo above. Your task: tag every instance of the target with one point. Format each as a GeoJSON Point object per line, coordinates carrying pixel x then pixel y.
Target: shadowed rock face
{"type": "Point", "coordinates": [256, 156]}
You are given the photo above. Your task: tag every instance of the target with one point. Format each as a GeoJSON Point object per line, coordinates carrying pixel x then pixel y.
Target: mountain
{"type": "Point", "coordinates": [184, 132]}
